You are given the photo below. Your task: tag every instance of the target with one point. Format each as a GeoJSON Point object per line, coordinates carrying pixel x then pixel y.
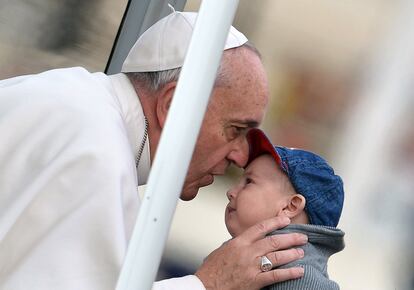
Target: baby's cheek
{"type": "Point", "coordinates": [258, 215]}
{"type": "Point", "coordinates": [250, 219]}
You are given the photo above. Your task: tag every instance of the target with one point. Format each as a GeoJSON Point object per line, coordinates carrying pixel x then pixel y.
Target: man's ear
{"type": "Point", "coordinates": [164, 98]}
{"type": "Point", "coordinates": [295, 206]}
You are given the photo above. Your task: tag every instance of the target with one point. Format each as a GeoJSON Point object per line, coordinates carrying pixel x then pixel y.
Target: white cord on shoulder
{"type": "Point", "coordinates": [171, 7]}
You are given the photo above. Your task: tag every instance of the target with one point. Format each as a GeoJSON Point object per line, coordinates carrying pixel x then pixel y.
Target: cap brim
{"type": "Point", "coordinates": [259, 144]}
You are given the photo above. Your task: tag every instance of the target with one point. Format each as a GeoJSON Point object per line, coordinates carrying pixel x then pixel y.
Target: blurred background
{"type": "Point", "coordinates": [340, 80]}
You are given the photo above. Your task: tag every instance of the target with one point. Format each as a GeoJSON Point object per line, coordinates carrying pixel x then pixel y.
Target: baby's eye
{"type": "Point", "coordinates": [248, 180]}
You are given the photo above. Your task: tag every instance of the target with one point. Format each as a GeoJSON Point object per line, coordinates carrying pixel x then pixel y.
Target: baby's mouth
{"type": "Point", "coordinates": [230, 209]}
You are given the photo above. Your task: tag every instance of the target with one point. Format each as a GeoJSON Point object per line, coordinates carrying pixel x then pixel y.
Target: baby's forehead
{"type": "Point", "coordinates": [264, 159]}
{"type": "Point", "coordinates": [264, 165]}
{"type": "Point", "coordinates": [266, 169]}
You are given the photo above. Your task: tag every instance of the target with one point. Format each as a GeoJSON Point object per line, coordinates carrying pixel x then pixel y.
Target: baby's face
{"type": "Point", "coordinates": [260, 194]}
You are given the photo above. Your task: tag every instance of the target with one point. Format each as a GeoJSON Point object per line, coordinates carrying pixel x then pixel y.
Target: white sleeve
{"type": "Point", "coordinates": [66, 184]}
{"type": "Point", "coordinates": [190, 282]}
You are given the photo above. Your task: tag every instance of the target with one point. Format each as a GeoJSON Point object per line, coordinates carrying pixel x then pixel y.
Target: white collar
{"type": "Point", "coordinates": [134, 118]}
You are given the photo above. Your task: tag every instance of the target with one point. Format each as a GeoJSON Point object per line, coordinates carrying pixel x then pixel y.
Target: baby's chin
{"type": "Point", "coordinates": [233, 231]}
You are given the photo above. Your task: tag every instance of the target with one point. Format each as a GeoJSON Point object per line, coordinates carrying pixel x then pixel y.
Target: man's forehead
{"type": "Point", "coordinates": [259, 165]}
{"type": "Point", "coordinates": [246, 116]}
{"type": "Point", "coordinates": [248, 109]}
{"type": "Point", "coordinates": [244, 97]}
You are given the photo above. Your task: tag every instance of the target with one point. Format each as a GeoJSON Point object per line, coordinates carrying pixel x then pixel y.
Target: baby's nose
{"type": "Point", "coordinates": [232, 192]}
{"type": "Point", "coordinates": [229, 194]}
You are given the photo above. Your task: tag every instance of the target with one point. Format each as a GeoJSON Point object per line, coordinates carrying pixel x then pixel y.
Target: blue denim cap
{"type": "Point", "coordinates": [310, 175]}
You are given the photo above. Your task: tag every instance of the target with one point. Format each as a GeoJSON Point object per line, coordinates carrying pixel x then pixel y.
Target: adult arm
{"type": "Point", "coordinates": [235, 265]}
{"type": "Point", "coordinates": [190, 282]}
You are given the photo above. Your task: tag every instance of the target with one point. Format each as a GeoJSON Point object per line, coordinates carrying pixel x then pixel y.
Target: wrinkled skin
{"type": "Point", "coordinates": [238, 102]}
{"type": "Point", "coordinates": [235, 265]}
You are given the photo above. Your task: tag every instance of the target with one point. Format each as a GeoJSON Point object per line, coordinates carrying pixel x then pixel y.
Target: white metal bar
{"type": "Point", "coordinates": [366, 145]}
{"type": "Point", "coordinates": [177, 144]}
{"type": "Point", "coordinates": [366, 149]}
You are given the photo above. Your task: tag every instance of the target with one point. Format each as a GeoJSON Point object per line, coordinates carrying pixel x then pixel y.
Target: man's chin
{"type": "Point", "coordinates": [189, 193]}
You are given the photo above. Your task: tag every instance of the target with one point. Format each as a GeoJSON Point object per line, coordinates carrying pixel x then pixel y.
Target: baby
{"type": "Point", "coordinates": [299, 185]}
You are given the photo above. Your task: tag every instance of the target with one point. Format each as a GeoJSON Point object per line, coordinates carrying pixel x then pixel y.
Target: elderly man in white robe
{"type": "Point", "coordinates": [75, 145]}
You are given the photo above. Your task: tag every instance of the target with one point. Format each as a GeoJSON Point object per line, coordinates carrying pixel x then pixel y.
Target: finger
{"type": "Point", "coordinates": [279, 242]}
{"type": "Point", "coordinates": [283, 257]}
{"type": "Point", "coordinates": [260, 230]}
{"type": "Point", "coordinates": [279, 275]}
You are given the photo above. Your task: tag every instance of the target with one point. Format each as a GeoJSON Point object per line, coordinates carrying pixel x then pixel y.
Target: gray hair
{"type": "Point", "coordinates": [158, 79]}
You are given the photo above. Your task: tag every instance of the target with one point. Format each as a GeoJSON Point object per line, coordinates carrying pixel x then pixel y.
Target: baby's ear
{"type": "Point", "coordinates": [295, 206]}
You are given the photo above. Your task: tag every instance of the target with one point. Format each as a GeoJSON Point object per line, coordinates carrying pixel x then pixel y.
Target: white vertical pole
{"type": "Point", "coordinates": [366, 148]}
{"type": "Point", "coordinates": [177, 144]}
{"type": "Point", "coordinates": [366, 145]}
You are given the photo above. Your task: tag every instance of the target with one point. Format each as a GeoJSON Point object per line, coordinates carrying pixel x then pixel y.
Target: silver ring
{"type": "Point", "coordinates": [265, 264]}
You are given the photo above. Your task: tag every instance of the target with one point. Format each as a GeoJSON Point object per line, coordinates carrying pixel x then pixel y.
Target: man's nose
{"type": "Point", "coordinates": [240, 153]}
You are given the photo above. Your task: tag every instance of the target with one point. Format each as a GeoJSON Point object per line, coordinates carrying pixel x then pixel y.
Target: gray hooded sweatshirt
{"type": "Point", "coordinates": [323, 242]}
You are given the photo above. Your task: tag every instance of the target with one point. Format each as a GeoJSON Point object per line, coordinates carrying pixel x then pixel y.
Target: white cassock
{"type": "Point", "coordinates": [68, 180]}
